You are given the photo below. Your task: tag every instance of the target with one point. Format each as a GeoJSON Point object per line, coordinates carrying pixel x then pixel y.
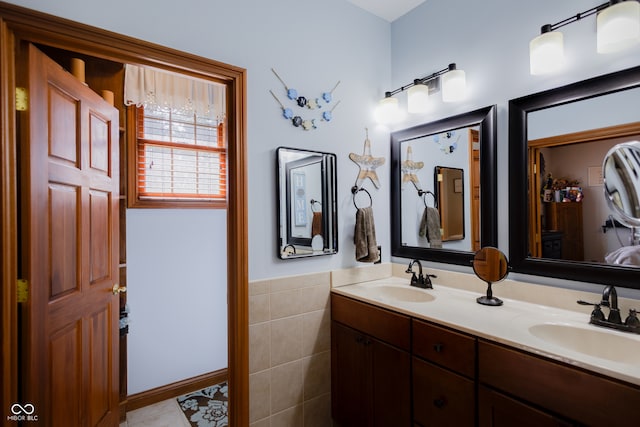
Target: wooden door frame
{"type": "Point", "coordinates": [25, 24]}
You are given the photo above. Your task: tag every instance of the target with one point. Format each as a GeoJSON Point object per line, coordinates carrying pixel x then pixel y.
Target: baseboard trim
{"type": "Point", "coordinates": [149, 397]}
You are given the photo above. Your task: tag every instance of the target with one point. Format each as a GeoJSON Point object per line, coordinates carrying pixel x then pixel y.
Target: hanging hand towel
{"type": "Point", "coordinates": [430, 227]}
{"type": "Point", "coordinates": [365, 236]}
{"type": "Point", "coordinates": [316, 224]}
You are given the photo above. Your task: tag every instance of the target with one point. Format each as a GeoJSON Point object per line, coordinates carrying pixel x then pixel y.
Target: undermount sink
{"type": "Point", "coordinates": [602, 344]}
{"type": "Point", "coordinates": [399, 293]}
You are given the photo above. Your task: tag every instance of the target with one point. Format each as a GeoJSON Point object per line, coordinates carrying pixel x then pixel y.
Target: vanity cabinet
{"type": "Point", "coordinates": [444, 366]}
{"type": "Point", "coordinates": [390, 369]}
{"type": "Point", "coordinates": [370, 365]}
{"type": "Point", "coordinates": [564, 394]}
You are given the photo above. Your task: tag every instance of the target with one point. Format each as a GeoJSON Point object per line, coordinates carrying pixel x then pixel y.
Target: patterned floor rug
{"type": "Point", "coordinates": [207, 407]}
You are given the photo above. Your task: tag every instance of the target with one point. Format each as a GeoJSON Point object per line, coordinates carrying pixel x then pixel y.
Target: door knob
{"type": "Point", "coordinates": [117, 289]}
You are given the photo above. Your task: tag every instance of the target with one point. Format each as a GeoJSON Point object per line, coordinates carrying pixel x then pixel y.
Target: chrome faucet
{"type": "Point", "coordinates": [420, 281]}
{"type": "Point", "coordinates": [610, 299]}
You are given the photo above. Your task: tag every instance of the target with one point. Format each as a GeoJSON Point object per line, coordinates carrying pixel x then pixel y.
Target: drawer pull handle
{"type": "Point", "coordinates": [438, 347]}
{"type": "Point", "coordinates": [439, 402]}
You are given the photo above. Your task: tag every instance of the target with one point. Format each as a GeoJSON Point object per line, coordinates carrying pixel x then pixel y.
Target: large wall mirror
{"type": "Point", "coordinates": [443, 188]}
{"type": "Point", "coordinates": [307, 218]}
{"type": "Point", "coordinates": [560, 223]}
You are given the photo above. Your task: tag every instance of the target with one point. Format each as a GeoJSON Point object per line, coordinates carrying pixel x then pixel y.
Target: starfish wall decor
{"type": "Point", "coordinates": [409, 169]}
{"type": "Point", "coordinates": [367, 163]}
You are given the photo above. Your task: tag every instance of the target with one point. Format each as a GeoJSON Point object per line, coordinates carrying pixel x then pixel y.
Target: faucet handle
{"type": "Point", "coordinates": [632, 319]}
{"type": "Point", "coordinates": [597, 313]}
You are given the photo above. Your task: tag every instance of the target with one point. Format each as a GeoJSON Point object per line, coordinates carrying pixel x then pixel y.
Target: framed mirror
{"type": "Point", "coordinates": [559, 222]}
{"type": "Point", "coordinates": [466, 142]}
{"type": "Point", "coordinates": [307, 213]}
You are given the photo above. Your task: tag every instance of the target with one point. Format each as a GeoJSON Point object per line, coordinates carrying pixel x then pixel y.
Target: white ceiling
{"type": "Point", "coordinates": [387, 9]}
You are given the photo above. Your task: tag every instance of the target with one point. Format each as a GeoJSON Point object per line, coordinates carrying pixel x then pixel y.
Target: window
{"type": "Point", "coordinates": [180, 159]}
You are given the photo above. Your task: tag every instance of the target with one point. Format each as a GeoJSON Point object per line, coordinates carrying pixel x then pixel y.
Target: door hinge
{"type": "Point", "coordinates": [23, 290]}
{"type": "Point", "coordinates": [22, 99]}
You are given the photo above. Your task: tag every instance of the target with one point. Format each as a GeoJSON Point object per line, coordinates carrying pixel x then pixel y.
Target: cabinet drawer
{"type": "Point", "coordinates": [450, 349]}
{"type": "Point", "coordinates": [570, 392]}
{"type": "Point", "coordinates": [440, 397]}
{"type": "Point", "coordinates": [383, 324]}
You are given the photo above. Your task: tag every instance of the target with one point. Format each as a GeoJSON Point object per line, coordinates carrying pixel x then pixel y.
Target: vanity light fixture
{"type": "Point", "coordinates": [450, 79]}
{"type": "Point", "coordinates": [618, 27]}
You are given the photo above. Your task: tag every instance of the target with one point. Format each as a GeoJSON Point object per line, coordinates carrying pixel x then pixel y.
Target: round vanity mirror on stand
{"type": "Point", "coordinates": [621, 176]}
{"type": "Point", "coordinates": [490, 265]}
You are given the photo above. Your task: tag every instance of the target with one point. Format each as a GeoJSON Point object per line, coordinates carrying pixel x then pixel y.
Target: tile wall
{"type": "Point", "coordinates": [289, 351]}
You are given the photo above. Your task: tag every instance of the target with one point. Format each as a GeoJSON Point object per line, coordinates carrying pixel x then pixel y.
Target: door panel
{"type": "Point", "coordinates": [69, 168]}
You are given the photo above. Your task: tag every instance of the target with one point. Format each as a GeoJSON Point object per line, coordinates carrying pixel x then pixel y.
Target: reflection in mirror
{"type": "Point", "coordinates": [449, 183]}
{"type": "Point", "coordinates": [490, 265]}
{"type": "Point", "coordinates": [429, 217]}
{"type": "Point", "coordinates": [621, 174]}
{"type": "Point", "coordinates": [559, 220]}
{"type": "Point", "coordinates": [306, 203]}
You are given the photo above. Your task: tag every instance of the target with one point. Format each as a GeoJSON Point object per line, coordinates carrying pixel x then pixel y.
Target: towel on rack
{"type": "Point", "coordinates": [430, 227]}
{"type": "Point", "coordinates": [365, 236]}
{"type": "Point", "coordinates": [626, 255]}
{"type": "Point", "coordinates": [316, 224]}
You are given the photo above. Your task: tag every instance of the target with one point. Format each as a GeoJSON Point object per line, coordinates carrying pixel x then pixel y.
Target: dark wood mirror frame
{"type": "Point", "coordinates": [518, 183]}
{"type": "Point", "coordinates": [486, 119]}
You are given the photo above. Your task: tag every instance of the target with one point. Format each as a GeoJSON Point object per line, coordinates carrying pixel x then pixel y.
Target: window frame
{"type": "Point", "coordinates": [134, 198]}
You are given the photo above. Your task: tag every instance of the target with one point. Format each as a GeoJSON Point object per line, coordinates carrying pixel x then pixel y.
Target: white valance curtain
{"type": "Point", "coordinates": [150, 87]}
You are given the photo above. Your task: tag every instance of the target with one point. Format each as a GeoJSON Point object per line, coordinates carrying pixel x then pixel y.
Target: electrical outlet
{"type": "Point", "coordinates": [379, 261]}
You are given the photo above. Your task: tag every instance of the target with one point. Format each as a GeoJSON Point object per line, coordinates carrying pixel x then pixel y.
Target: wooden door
{"type": "Point", "coordinates": [474, 183]}
{"type": "Point", "coordinates": [535, 208]}
{"type": "Point", "coordinates": [69, 255]}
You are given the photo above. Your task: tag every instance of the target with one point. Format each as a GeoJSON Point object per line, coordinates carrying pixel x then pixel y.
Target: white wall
{"type": "Point", "coordinates": [490, 41]}
{"type": "Point", "coordinates": [177, 294]}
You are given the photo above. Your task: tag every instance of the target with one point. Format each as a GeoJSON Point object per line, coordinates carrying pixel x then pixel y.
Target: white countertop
{"type": "Point", "coordinates": [509, 324]}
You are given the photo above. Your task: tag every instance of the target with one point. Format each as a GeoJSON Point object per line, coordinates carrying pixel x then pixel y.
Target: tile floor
{"type": "Point", "coordinates": [162, 414]}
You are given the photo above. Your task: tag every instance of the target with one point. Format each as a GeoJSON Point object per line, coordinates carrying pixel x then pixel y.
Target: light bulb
{"type": "Point", "coordinates": [418, 99]}
{"type": "Point", "coordinates": [618, 27]}
{"type": "Point", "coordinates": [454, 85]}
{"type": "Point", "coordinates": [387, 111]}
{"type": "Point", "coordinates": [546, 53]}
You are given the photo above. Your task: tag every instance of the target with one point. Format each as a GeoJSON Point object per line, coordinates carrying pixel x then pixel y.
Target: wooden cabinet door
{"type": "Point", "coordinates": [498, 410]}
{"type": "Point", "coordinates": [69, 234]}
{"type": "Point", "coordinates": [391, 384]}
{"type": "Point", "coordinates": [370, 380]}
{"type": "Point", "coordinates": [350, 377]}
